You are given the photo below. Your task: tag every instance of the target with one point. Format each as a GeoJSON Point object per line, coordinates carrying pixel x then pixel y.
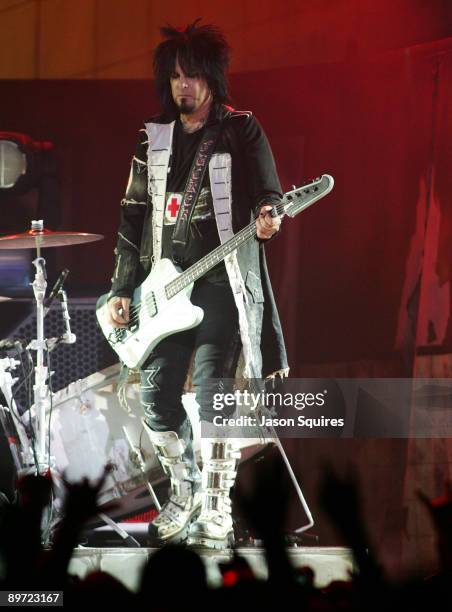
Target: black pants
{"type": "Point", "coordinates": [216, 347]}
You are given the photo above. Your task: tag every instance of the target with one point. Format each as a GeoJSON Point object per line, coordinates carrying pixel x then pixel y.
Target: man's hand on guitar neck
{"type": "Point", "coordinates": [266, 225]}
{"type": "Point", "coordinates": [118, 311]}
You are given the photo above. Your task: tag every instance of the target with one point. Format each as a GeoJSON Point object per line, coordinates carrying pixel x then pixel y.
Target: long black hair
{"type": "Point", "coordinates": [200, 49]}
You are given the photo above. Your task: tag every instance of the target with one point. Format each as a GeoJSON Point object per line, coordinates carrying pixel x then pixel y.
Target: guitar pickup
{"type": "Point", "coordinates": [152, 305]}
{"type": "Point", "coordinates": [132, 327]}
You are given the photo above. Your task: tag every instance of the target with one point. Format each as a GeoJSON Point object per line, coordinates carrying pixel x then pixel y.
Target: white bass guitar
{"type": "Point", "coordinates": [161, 305]}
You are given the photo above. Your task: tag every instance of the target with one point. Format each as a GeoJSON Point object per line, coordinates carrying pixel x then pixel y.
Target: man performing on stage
{"type": "Point", "coordinates": [201, 171]}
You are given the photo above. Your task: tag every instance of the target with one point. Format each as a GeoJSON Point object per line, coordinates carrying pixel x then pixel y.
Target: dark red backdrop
{"type": "Point", "coordinates": [364, 276]}
{"type": "Point", "coordinates": [345, 270]}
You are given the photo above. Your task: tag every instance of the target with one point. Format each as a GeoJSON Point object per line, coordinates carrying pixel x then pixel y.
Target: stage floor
{"type": "Point", "coordinates": [125, 564]}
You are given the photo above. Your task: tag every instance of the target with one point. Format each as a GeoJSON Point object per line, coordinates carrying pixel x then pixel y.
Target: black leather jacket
{"type": "Point", "coordinates": [254, 181]}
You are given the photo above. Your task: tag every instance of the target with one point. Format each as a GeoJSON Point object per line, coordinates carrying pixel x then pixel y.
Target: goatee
{"type": "Point", "coordinates": [185, 106]}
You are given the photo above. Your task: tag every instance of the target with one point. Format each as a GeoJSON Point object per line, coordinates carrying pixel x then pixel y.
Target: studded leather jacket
{"type": "Point", "coordinates": [253, 182]}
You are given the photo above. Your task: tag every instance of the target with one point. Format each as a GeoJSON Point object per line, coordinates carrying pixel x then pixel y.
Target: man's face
{"type": "Point", "coordinates": [190, 91]}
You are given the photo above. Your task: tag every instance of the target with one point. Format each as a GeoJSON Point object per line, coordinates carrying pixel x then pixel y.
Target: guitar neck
{"type": "Point", "coordinates": [209, 261]}
{"type": "Point", "coordinates": [292, 203]}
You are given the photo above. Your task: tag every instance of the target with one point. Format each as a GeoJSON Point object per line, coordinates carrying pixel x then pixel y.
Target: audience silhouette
{"type": "Point", "coordinates": [175, 577]}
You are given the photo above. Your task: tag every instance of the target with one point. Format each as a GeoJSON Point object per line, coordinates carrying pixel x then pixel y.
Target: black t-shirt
{"type": "Point", "coordinates": [203, 233]}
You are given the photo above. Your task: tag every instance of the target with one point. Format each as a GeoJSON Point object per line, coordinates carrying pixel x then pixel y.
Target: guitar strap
{"type": "Point", "coordinates": [193, 188]}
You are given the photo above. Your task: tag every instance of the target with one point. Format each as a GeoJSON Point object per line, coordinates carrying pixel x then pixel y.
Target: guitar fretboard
{"type": "Point", "coordinates": [311, 194]}
{"type": "Point", "coordinates": [206, 263]}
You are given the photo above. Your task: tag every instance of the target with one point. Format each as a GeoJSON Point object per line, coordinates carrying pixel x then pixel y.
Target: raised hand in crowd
{"type": "Point", "coordinates": [20, 531]}
{"type": "Point", "coordinates": [80, 504]}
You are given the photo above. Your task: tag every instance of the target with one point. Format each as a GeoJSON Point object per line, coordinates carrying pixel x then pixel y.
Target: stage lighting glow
{"type": "Point", "coordinates": [13, 164]}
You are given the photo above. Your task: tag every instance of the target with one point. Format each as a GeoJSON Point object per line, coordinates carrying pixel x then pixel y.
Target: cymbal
{"type": "Point", "coordinates": [46, 238]}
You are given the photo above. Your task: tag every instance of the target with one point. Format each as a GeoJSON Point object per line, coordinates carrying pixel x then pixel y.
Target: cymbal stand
{"type": "Point", "coordinates": [40, 387]}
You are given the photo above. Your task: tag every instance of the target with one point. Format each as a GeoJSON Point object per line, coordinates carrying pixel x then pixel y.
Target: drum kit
{"type": "Point", "coordinates": [89, 428]}
{"type": "Point", "coordinates": [30, 452]}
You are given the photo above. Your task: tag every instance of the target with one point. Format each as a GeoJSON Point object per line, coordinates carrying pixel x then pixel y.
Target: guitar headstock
{"type": "Point", "coordinates": [300, 198]}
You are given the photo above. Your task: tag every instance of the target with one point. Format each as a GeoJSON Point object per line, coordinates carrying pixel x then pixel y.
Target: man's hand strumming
{"type": "Point", "coordinates": [118, 311]}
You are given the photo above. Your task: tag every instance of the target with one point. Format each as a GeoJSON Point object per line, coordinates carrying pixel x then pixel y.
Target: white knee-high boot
{"type": "Point", "coordinates": [176, 455]}
{"type": "Point", "coordinates": [213, 528]}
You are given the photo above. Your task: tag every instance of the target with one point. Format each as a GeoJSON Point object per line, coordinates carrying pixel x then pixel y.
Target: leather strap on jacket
{"type": "Point", "coordinates": [192, 189]}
